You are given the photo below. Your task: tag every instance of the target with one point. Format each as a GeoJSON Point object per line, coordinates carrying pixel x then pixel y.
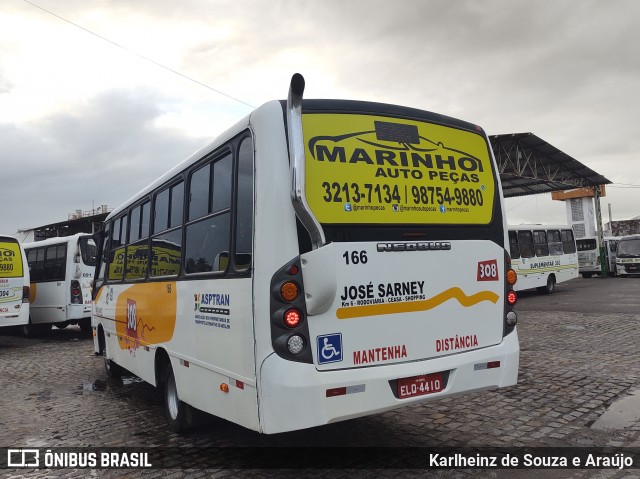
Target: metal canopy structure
{"type": "Point", "coordinates": [528, 165]}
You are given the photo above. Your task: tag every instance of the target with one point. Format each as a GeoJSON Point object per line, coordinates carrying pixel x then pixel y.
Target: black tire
{"type": "Point", "coordinates": [61, 325]}
{"type": "Point", "coordinates": [85, 326]}
{"type": "Point", "coordinates": [112, 369]}
{"type": "Point", "coordinates": [28, 330]}
{"type": "Point", "coordinates": [44, 328]}
{"type": "Point", "coordinates": [587, 275]}
{"type": "Point", "coordinates": [177, 411]}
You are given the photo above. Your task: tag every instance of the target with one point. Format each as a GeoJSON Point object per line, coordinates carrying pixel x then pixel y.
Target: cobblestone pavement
{"type": "Point", "coordinates": [573, 366]}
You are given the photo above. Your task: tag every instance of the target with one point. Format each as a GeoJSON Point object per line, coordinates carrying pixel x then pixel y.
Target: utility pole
{"type": "Point", "coordinates": [604, 273]}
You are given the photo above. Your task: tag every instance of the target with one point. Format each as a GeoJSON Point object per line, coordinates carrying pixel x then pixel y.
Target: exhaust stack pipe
{"type": "Point", "coordinates": [297, 162]}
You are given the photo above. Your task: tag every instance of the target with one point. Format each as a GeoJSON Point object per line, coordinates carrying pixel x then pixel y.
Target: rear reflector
{"type": "Point", "coordinates": [336, 392]}
{"type": "Point", "coordinates": [357, 388]}
{"type": "Point", "coordinates": [489, 365]}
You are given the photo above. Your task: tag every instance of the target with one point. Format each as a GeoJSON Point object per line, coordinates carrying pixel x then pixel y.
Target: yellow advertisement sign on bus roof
{"type": "Point", "coordinates": [366, 169]}
{"type": "Point", "coordinates": [10, 260]}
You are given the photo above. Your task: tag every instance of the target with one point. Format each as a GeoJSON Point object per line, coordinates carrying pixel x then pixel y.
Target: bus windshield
{"type": "Point", "coordinates": [586, 244]}
{"type": "Point", "coordinates": [395, 177]}
{"type": "Point", "coordinates": [629, 248]}
{"type": "Point", "coordinates": [88, 250]}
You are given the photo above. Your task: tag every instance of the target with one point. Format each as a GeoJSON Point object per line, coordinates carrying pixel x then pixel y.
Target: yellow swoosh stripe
{"type": "Point", "coordinates": [413, 306]}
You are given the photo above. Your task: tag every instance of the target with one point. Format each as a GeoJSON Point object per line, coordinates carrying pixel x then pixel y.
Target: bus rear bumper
{"type": "Point", "coordinates": [294, 395]}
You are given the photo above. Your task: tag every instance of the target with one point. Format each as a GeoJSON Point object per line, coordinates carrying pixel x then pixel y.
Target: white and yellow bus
{"type": "Point", "coordinates": [62, 271]}
{"type": "Point", "coordinates": [628, 256]}
{"type": "Point", "coordinates": [543, 256]}
{"type": "Point", "coordinates": [14, 283]}
{"type": "Point", "coordinates": [588, 256]}
{"type": "Point", "coordinates": [319, 261]}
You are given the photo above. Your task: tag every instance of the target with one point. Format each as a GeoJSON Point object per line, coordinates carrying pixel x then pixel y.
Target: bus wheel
{"type": "Point", "coordinates": [112, 369]}
{"type": "Point", "coordinates": [61, 325]}
{"type": "Point", "coordinates": [176, 409]}
{"type": "Point", "coordinates": [29, 329]}
{"type": "Point", "coordinates": [550, 287]}
{"type": "Point", "coordinates": [586, 275]}
{"type": "Point", "coordinates": [85, 326]}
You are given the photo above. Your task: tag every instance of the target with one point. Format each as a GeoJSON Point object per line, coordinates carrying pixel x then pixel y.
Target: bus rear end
{"type": "Point", "coordinates": [14, 283]}
{"type": "Point", "coordinates": [588, 257]}
{"type": "Point", "coordinates": [399, 295]}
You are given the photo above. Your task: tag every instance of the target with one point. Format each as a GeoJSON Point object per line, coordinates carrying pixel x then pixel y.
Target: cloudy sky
{"type": "Point", "coordinates": [99, 98]}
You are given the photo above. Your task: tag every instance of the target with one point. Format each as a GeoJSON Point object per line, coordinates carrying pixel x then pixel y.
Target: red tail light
{"type": "Point", "coordinates": [512, 297]}
{"type": "Point", "coordinates": [76, 292]}
{"type": "Point", "coordinates": [292, 318]}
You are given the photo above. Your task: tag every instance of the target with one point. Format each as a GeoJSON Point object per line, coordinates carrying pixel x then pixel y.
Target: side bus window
{"type": "Point", "coordinates": [525, 240]}
{"type": "Point", "coordinates": [514, 249]}
{"type": "Point", "coordinates": [555, 242]}
{"type": "Point", "coordinates": [100, 280]}
{"type": "Point", "coordinates": [137, 252]}
{"type": "Point", "coordinates": [116, 253]}
{"type": "Point", "coordinates": [55, 262]}
{"type": "Point", "coordinates": [35, 258]}
{"type": "Point", "coordinates": [244, 206]}
{"type": "Point", "coordinates": [208, 237]}
{"type": "Point", "coordinates": [568, 243]}
{"type": "Point", "coordinates": [540, 242]}
{"type": "Point", "coordinates": [166, 242]}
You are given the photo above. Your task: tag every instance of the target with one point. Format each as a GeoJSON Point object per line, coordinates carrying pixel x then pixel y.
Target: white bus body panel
{"type": "Point", "coordinates": [204, 353]}
{"type": "Point", "coordinates": [294, 393]}
{"type": "Point", "coordinates": [13, 312]}
{"type": "Point", "coordinates": [405, 300]}
{"type": "Point", "coordinates": [51, 300]}
{"type": "Point", "coordinates": [533, 272]}
{"type": "Point", "coordinates": [589, 260]}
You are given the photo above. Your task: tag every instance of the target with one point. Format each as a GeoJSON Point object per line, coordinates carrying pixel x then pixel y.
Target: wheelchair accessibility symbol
{"type": "Point", "coordinates": [329, 348]}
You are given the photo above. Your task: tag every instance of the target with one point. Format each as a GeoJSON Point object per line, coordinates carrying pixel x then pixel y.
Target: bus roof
{"type": "Point", "coordinates": [538, 227]}
{"type": "Point", "coordinates": [308, 106]}
{"type": "Point", "coordinates": [56, 240]}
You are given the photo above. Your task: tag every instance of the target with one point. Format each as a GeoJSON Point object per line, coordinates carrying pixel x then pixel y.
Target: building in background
{"type": "Point", "coordinates": [87, 221]}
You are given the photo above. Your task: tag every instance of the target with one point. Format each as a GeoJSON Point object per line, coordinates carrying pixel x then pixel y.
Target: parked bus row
{"type": "Point", "coordinates": [589, 255]}
{"type": "Point", "coordinates": [46, 283]}
{"type": "Point", "coordinates": [375, 271]}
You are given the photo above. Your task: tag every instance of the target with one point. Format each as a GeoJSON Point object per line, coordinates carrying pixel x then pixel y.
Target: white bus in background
{"type": "Point", "coordinates": [14, 283]}
{"type": "Point", "coordinates": [628, 256]}
{"type": "Point", "coordinates": [611, 252]}
{"type": "Point", "coordinates": [588, 256]}
{"type": "Point", "coordinates": [62, 270]}
{"type": "Point", "coordinates": [543, 256]}
{"type": "Point", "coordinates": [282, 293]}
